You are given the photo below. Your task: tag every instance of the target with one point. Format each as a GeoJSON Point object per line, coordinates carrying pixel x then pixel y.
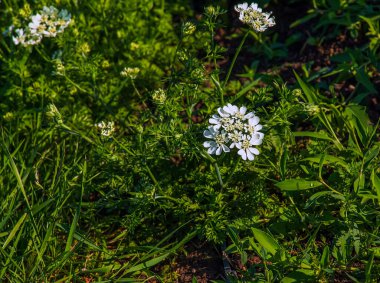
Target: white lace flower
{"type": "Point", "coordinates": [246, 149]}
{"type": "Point", "coordinates": [219, 140]}
{"type": "Point", "coordinates": [46, 23]}
{"type": "Point", "coordinates": [254, 16]}
{"type": "Point", "coordinates": [234, 127]}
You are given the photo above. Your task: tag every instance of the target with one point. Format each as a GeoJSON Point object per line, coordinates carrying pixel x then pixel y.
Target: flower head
{"type": "Point", "coordinates": [130, 72]}
{"type": "Point", "coordinates": [218, 144]}
{"type": "Point", "coordinates": [234, 127]}
{"type": "Point", "coordinates": [106, 129]}
{"type": "Point", "coordinates": [46, 23]}
{"type": "Point", "coordinates": [159, 96]}
{"type": "Point", "coordinates": [254, 16]}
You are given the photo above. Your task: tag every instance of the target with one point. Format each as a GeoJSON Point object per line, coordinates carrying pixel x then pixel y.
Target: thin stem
{"type": "Point", "coordinates": [331, 189]}
{"type": "Point", "coordinates": [235, 57]}
{"type": "Point", "coordinates": [233, 171]}
{"type": "Point", "coordinates": [138, 93]}
{"type": "Point", "coordinates": [218, 175]}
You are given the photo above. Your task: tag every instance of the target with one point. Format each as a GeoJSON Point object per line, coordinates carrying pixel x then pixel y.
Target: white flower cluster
{"type": "Point", "coordinates": [47, 23]}
{"type": "Point", "coordinates": [106, 129]}
{"type": "Point", "coordinates": [234, 127]}
{"type": "Point", "coordinates": [254, 16]}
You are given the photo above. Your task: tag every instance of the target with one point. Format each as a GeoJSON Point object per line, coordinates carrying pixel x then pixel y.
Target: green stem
{"type": "Point", "coordinates": [233, 171]}
{"type": "Point", "coordinates": [218, 175]}
{"type": "Point", "coordinates": [331, 189]}
{"type": "Point", "coordinates": [235, 57]}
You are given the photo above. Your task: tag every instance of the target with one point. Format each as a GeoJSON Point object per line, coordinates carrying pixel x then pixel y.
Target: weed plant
{"type": "Point", "coordinates": [105, 173]}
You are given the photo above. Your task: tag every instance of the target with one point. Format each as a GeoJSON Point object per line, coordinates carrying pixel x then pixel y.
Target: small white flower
{"type": "Point", "coordinates": [219, 140]}
{"type": "Point", "coordinates": [20, 38]}
{"type": "Point", "coordinates": [106, 128]}
{"type": "Point", "coordinates": [254, 16]}
{"type": "Point", "coordinates": [235, 137]}
{"type": "Point", "coordinates": [46, 23]}
{"type": "Point", "coordinates": [245, 147]}
{"type": "Point", "coordinates": [254, 127]}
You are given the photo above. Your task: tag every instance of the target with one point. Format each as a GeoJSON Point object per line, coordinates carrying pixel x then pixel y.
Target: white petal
{"type": "Point", "coordinates": [225, 148]}
{"type": "Point", "coordinates": [211, 150]}
{"type": "Point", "coordinates": [254, 6]}
{"type": "Point", "coordinates": [258, 127]}
{"type": "Point", "coordinates": [254, 121]}
{"type": "Point", "coordinates": [207, 144]}
{"type": "Point", "coordinates": [243, 109]}
{"type": "Point", "coordinates": [213, 121]}
{"type": "Point", "coordinates": [250, 155]}
{"type": "Point", "coordinates": [254, 150]}
{"type": "Point", "coordinates": [249, 115]}
{"type": "Point", "coordinates": [218, 151]}
{"type": "Point", "coordinates": [255, 141]}
{"type": "Point", "coordinates": [208, 134]}
{"type": "Point", "coordinates": [243, 154]}
{"type": "Point", "coordinates": [222, 113]}
{"type": "Point", "coordinates": [261, 135]}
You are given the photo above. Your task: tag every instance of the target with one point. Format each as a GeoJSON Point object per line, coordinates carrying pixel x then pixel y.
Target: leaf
{"type": "Point", "coordinates": [283, 159]}
{"type": "Point", "coordinates": [360, 121]}
{"type": "Point", "coordinates": [370, 155]}
{"type": "Point", "coordinates": [303, 20]}
{"type": "Point", "coordinates": [317, 135]}
{"type": "Point", "coordinates": [368, 268]}
{"type": "Point", "coordinates": [14, 230]}
{"type": "Point", "coordinates": [325, 257]}
{"type": "Point", "coordinates": [80, 237]}
{"type": "Point", "coordinates": [148, 263]}
{"type": "Point", "coordinates": [299, 275]}
{"type": "Point", "coordinates": [376, 184]}
{"type": "Point", "coordinates": [364, 79]}
{"type": "Point", "coordinates": [237, 242]}
{"type": "Point", "coordinates": [318, 195]}
{"type": "Point", "coordinates": [309, 93]}
{"type": "Point", "coordinates": [297, 185]}
{"type": "Point", "coordinates": [328, 159]}
{"type": "Point", "coordinates": [266, 241]}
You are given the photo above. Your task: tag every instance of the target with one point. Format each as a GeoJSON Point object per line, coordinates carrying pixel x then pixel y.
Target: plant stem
{"type": "Point", "coordinates": [218, 175]}
{"type": "Point", "coordinates": [233, 171]}
{"type": "Point", "coordinates": [235, 57]}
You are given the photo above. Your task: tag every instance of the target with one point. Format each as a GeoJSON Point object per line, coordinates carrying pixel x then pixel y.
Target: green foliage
{"type": "Point", "coordinates": [103, 171]}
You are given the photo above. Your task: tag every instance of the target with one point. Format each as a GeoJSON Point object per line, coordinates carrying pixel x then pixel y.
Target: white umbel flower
{"type": "Point", "coordinates": [218, 144]}
{"type": "Point", "coordinates": [46, 23]}
{"type": "Point", "coordinates": [106, 129]}
{"type": "Point", "coordinates": [254, 16]}
{"type": "Point", "coordinates": [234, 127]}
